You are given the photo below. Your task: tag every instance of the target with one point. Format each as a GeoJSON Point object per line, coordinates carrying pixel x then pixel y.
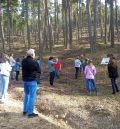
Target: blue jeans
{"type": "Point", "coordinates": [4, 85]}
{"type": "Point", "coordinates": [30, 90]}
{"type": "Point", "coordinates": [57, 74]}
{"type": "Point", "coordinates": [114, 85]}
{"type": "Point", "coordinates": [91, 85]}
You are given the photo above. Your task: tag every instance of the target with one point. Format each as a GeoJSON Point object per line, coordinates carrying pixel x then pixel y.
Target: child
{"type": "Point", "coordinates": [57, 67]}
{"type": "Point", "coordinates": [17, 68]}
{"type": "Point", "coordinates": [113, 74]}
{"type": "Point", "coordinates": [77, 64]}
{"type": "Point", "coordinates": [84, 64]}
{"type": "Point", "coordinates": [90, 72]}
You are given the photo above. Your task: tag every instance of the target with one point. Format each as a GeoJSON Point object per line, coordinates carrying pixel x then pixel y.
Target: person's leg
{"type": "Point", "coordinates": [76, 72]}
{"type": "Point", "coordinates": [88, 86]}
{"type": "Point", "coordinates": [12, 73]}
{"type": "Point", "coordinates": [57, 74]}
{"type": "Point", "coordinates": [5, 81]}
{"type": "Point", "coordinates": [38, 78]}
{"type": "Point", "coordinates": [52, 76]}
{"type": "Point", "coordinates": [17, 74]}
{"type": "Point", "coordinates": [94, 86]}
{"type": "Point", "coordinates": [32, 91]}
{"type": "Point", "coordinates": [26, 96]}
{"type": "Point", "coordinates": [1, 86]}
{"type": "Point", "coordinates": [116, 87]}
{"type": "Point", "coordinates": [113, 85]}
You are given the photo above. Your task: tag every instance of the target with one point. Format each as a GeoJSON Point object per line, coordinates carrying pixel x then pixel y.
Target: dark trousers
{"type": "Point", "coordinates": [77, 70]}
{"type": "Point", "coordinates": [114, 85]}
{"type": "Point", "coordinates": [52, 76]}
{"type": "Point", "coordinates": [17, 74]}
{"type": "Point", "coordinates": [38, 78]}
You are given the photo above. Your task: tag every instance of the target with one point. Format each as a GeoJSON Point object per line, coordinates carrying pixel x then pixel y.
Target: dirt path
{"type": "Point", "coordinates": [11, 118]}
{"type": "Point", "coordinates": [66, 106]}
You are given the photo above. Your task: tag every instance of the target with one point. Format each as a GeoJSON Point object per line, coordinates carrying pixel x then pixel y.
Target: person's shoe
{"type": "Point", "coordinates": [32, 115]}
{"type": "Point", "coordinates": [24, 113]}
{"type": "Point", "coordinates": [113, 92]}
{"type": "Point", "coordinates": [117, 90]}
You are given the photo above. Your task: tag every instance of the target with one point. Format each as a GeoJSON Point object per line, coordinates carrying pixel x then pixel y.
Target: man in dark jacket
{"type": "Point", "coordinates": [30, 68]}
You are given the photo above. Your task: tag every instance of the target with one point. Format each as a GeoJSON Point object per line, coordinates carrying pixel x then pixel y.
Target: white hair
{"type": "Point", "coordinates": [31, 52]}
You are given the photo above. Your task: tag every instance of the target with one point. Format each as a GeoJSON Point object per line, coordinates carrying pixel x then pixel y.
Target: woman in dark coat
{"type": "Point", "coordinates": [113, 74]}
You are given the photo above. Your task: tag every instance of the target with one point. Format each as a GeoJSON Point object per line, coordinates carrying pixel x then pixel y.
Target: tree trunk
{"type": "Point", "coordinates": [40, 51]}
{"type": "Point", "coordinates": [105, 21]}
{"type": "Point", "coordinates": [89, 24]}
{"type": "Point", "coordinates": [27, 21]}
{"type": "Point", "coordinates": [1, 30]}
{"type": "Point", "coordinates": [95, 25]}
{"type": "Point", "coordinates": [112, 23]}
{"type": "Point", "coordinates": [116, 20]}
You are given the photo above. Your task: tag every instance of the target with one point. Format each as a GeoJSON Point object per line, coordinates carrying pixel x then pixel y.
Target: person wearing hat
{"type": "Point", "coordinates": [30, 68]}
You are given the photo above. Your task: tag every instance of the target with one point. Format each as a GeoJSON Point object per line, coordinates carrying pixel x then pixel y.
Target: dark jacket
{"type": "Point", "coordinates": [30, 68]}
{"type": "Point", "coordinates": [113, 72]}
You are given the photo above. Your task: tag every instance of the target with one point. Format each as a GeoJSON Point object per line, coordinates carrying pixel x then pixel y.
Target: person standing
{"type": "Point", "coordinates": [30, 68]}
{"type": "Point", "coordinates": [113, 74]}
{"type": "Point", "coordinates": [51, 69]}
{"type": "Point", "coordinates": [17, 68]}
{"type": "Point", "coordinates": [84, 64]}
{"type": "Point", "coordinates": [57, 67]}
{"type": "Point", "coordinates": [90, 72]}
{"type": "Point", "coordinates": [12, 63]}
{"type": "Point", "coordinates": [77, 64]}
{"type": "Point", "coordinates": [5, 69]}
{"type": "Point", "coordinates": [39, 74]}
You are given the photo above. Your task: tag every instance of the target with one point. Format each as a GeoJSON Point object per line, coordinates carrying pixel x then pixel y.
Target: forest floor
{"type": "Point", "coordinates": [66, 106]}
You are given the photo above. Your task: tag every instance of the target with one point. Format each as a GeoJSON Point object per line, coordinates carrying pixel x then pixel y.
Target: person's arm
{"type": "Point", "coordinates": [60, 67]}
{"type": "Point", "coordinates": [38, 69]}
{"type": "Point", "coordinates": [53, 62]}
{"type": "Point", "coordinates": [85, 71]}
{"type": "Point", "coordinates": [94, 71]}
{"type": "Point", "coordinates": [9, 68]}
{"type": "Point", "coordinates": [109, 68]}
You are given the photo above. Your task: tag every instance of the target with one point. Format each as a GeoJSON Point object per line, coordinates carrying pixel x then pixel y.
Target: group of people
{"type": "Point", "coordinates": [54, 67]}
{"type": "Point", "coordinates": [31, 71]}
{"type": "Point", "coordinates": [88, 69]}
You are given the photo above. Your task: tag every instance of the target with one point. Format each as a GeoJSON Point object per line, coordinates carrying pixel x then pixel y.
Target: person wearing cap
{"type": "Point", "coordinates": [30, 68]}
{"type": "Point", "coordinates": [90, 72]}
